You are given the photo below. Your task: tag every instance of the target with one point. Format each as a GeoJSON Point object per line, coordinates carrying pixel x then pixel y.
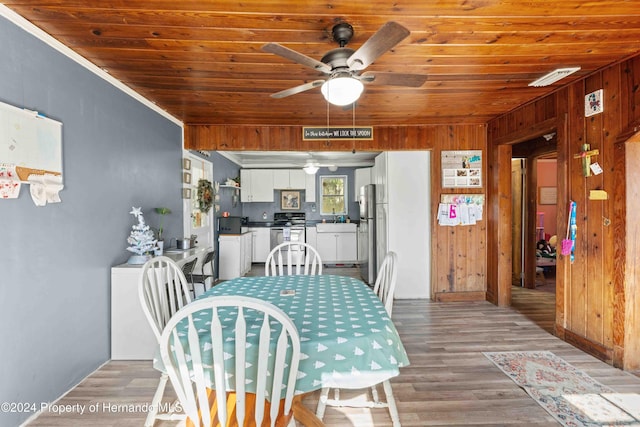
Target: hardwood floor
{"type": "Point", "coordinates": [449, 381]}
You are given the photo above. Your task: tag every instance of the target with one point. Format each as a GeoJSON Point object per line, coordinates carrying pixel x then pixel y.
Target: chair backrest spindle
{"type": "Point", "coordinates": [162, 290]}
{"type": "Point", "coordinates": [385, 284]}
{"type": "Point", "coordinates": [293, 258]}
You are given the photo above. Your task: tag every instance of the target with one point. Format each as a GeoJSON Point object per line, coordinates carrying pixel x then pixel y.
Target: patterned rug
{"type": "Point", "coordinates": [572, 397]}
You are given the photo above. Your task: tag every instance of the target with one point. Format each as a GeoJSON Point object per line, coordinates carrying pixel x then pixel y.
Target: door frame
{"type": "Point", "coordinates": [186, 203]}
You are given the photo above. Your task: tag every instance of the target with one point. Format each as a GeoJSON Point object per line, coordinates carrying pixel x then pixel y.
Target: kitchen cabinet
{"type": "Point", "coordinates": [337, 244]}
{"type": "Point", "coordinates": [260, 243]}
{"type": "Point", "coordinates": [379, 177]}
{"type": "Point", "coordinates": [362, 178]}
{"type": "Point", "coordinates": [257, 185]}
{"type": "Point", "coordinates": [289, 179]}
{"type": "Point", "coordinates": [235, 253]}
{"type": "Point", "coordinates": [310, 188]}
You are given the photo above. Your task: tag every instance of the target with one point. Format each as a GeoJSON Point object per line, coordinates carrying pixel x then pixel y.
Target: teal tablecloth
{"type": "Point", "coordinates": [347, 337]}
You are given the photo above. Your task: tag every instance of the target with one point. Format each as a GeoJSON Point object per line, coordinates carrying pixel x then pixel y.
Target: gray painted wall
{"type": "Point", "coordinates": [55, 260]}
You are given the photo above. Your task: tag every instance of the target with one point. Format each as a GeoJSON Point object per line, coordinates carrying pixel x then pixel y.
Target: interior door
{"type": "Point", "coordinates": [518, 202]}
{"type": "Point", "coordinates": [195, 221]}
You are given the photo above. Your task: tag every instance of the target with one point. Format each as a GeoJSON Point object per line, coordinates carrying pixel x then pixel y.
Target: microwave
{"type": "Point", "coordinates": [230, 225]}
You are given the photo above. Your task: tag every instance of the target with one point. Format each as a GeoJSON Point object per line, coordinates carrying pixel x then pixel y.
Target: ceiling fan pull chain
{"type": "Point", "coordinates": [353, 126]}
{"type": "Point", "coordinates": [327, 129]}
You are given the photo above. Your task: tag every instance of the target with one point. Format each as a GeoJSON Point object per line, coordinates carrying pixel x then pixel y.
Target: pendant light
{"type": "Point", "coordinates": [310, 168]}
{"type": "Point", "coordinates": [342, 90]}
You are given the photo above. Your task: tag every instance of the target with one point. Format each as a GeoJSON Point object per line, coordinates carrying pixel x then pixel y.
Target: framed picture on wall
{"type": "Point", "coordinates": [547, 195]}
{"type": "Point", "coordinates": [186, 164]}
{"type": "Point", "coordinates": [186, 178]}
{"type": "Point", "coordinates": [461, 169]}
{"type": "Point", "coordinates": [290, 200]}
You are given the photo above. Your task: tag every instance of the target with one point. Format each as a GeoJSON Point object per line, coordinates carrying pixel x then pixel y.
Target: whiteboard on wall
{"type": "Point", "coordinates": [30, 141]}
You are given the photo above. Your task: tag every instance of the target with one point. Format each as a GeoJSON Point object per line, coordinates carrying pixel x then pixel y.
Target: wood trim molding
{"type": "Point", "coordinates": [588, 346]}
{"type": "Point", "coordinates": [527, 133]}
{"type": "Point", "coordinates": [460, 296]}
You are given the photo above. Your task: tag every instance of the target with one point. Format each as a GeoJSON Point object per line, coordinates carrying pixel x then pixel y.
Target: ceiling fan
{"type": "Point", "coordinates": [344, 66]}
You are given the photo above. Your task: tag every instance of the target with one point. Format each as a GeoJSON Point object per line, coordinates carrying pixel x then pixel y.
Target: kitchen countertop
{"type": "Point", "coordinates": [176, 255]}
{"type": "Point", "coordinates": [259, 224]}
{"type": "Point", "coordinates": [309, 223]}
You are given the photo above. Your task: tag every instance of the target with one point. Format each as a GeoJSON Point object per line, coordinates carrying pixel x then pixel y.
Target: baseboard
{"type": "Point", "coordinates": [37, 414]}
{"type": "Point", "coordinates": [460, 296]}
{"type": "Point", "coordinates": [588, 346]}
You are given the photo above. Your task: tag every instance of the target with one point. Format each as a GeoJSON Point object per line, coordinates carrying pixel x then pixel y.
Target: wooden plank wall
{"type": "Point", "coordinates": [588, 288]}
{"type": "Point", "coordinates": [459, 253]}
{"type": "Point", "coordinates": [459, 260]}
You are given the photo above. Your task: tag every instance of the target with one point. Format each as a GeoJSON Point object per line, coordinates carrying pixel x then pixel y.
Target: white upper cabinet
{"type": "Point", "coordinates": [297, 178]}
{"type": "Point", "coordinates": [362, 177]}
{"type": "Point", "coordinates": [310, 188]}
{"type": "Point", "coordinates": [379, 178]}
{"type": "Point", "coordinates": [288, 179]}
{"type": "Point", "coordinates": [257, 185]}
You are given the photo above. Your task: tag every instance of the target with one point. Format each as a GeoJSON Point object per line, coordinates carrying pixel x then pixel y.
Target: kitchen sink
{"type": "Point", "coordinates": [336, 227]}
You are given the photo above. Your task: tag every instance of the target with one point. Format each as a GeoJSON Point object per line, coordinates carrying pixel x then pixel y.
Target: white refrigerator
{"type": "Point", "coordinates": [403, 212]}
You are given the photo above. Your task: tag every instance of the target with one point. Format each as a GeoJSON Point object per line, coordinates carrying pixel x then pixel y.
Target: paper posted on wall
{"type": "Point", "coordinates": [452, 214]}
{"type": "Point", "coordinates": [9, 181]}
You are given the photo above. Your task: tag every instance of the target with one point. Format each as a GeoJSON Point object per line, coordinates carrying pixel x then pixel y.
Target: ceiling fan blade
{"type": "Point", "coordinates": [389, 35]}
{"type": "Point", "coordinates": [393, 79]}
{"type": "Point", "coordinates": [296, 57]}
{"type": "Point", "coordinates": [297, 89]}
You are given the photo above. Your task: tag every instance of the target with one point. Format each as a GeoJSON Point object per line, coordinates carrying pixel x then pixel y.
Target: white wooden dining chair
{"type": "Point", "coordinates": [162, 290]}
{"type": "Point", "coordinates": [198, 372]}
{"type": "Point", "coordinates": [385, 285]}
{"type": "Point", "coordinates": [293, 258]}
{"type": "Point", "coordinates": [384, 288]}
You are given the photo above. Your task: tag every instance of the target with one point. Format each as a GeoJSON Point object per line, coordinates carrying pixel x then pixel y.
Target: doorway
{"type": "Point", "coordinates": [534, 202]}
{"type": "Point", "coordinates": [196, 222]}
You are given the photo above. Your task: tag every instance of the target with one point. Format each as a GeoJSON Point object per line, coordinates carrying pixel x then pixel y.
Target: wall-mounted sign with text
{"type": "Point", "coordinates": [337, 132]}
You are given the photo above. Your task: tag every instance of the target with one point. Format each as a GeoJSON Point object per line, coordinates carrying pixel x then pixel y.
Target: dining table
{"type": "Point", "coordinates": [347, 338]}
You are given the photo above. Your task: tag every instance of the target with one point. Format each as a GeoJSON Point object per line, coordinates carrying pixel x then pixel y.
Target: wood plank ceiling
{"type": "Point", "coordinates": [202, 60]}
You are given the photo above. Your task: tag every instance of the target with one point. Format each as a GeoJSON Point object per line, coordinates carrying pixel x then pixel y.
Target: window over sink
{"type": "Point", "coordinates": [333, 195]}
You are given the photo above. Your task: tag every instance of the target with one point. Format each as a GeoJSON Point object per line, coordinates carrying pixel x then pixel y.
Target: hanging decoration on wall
{"type": "Point", "coordinates": [569, 242]}
{"type": "Point", "coordinates": [593, 103]}
{"type": "Point", "coordinates": [460, 209]}
{"type": "Point", "coordinates": [586, 155]}
{"type": "Point", "coordinates": [205, 195]}
{"type": "Point", "coordinates": [9, 181]}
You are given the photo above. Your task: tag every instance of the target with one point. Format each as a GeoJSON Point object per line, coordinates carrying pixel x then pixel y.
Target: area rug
{"type": "Point", "coordinates": [571, 396]}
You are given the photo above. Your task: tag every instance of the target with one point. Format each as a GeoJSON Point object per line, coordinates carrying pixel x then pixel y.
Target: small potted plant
{"type": "Point", "coordinates": [162, 212]}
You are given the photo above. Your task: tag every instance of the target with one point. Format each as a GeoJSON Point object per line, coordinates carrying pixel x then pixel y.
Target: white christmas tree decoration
{"type": "Point", "coordinates": [141, 239]}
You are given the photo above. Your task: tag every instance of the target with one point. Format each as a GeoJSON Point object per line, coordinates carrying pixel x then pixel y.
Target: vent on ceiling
{"type": "Point", "coordinates": [554, 76]}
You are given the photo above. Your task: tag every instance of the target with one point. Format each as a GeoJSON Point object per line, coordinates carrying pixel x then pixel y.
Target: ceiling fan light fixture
{"type": "Point", "coordinates": [342, 90]}
{"type": "Point", "coordinates": [310, 168]}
